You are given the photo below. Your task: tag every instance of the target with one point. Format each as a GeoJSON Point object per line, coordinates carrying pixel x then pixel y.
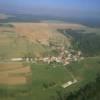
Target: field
{"type": "Point", "coordinates": [14, 73]}
{"type": "Point", "coordinates": [39, 81]}
{"type": "Point", "coordinates": [17, 79]}
{"type": "Point", "coordinates": [12, 46]}
{"type": "Point", "coordinates": [46, 80]}
{"type": "Point", "coordinates": [23, 39]}
{"type": "Point", "coordinates": [85, 72]}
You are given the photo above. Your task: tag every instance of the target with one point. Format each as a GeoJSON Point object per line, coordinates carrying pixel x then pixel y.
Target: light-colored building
{"type": "Point", "coordinates": [17, 59]}
{"type": "Point", "coordinates": [67, 84]}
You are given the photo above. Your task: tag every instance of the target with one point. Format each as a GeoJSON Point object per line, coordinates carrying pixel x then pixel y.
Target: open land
{"type": "Point", "coordinates": [39, 81]}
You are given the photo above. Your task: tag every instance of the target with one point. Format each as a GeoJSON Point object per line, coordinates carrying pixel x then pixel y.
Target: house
{"type": "Point", "coordinates": [45, 59]}
{"type": "Point", "coordinates": [79, 53]}
{"type": "Point", "coordinates": [67, 84]}
{"type": "Point", "coordinates": [75, 58]}
{"type": "Point", "coordinates": [66, 63]}
{"type": "Point", "coordinates": [17, 59]}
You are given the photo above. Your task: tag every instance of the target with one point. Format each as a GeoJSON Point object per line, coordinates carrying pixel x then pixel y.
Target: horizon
{"type": "Point", "coordinates": [55, 8]}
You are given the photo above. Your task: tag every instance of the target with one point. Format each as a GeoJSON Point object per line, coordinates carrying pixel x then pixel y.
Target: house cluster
{"type": "Point", "coordinates": [65, 57]}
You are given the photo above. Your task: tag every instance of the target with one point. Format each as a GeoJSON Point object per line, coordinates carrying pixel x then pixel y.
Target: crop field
{"type": "Point", "coordinates": [43, 82]}
{"type": "Point", "coordinates": [13, 46]}
{"type": "Point", "coordinates": [14, 73]}
{"type": "Point", "coordinates": [47, 80]}
{"type": "Point", "coordinates": [19, 80]}
{"type": "Point", "coordinates": [53, 76]}
{"type": "Point", "coordinates": [10, 45]}
{"type": "Point", "coordinates": [39, 81]}
{"type": "Point", "coordinates": [15, 81]}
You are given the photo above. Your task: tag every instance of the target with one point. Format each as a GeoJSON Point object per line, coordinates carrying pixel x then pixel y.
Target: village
{"type": "Point", "coordinates": [65, 57]}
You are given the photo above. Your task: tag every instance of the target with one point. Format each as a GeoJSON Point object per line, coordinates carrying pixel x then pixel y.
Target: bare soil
{"type": "Point", "coordinates": [14, 74]}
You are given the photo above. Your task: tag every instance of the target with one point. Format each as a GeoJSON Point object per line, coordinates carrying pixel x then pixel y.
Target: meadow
{"type": "Point", "coordinates": [46, 80]}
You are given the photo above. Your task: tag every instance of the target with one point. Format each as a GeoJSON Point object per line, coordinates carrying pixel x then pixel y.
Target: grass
{"type": "Point", "coordinates": [12, 46]}
{"type": "Point", "coordinates": [44, 83]}
{"type": "Point", "coordinates": [46, 80]}
{"type": "Point", "coordinates": [15, 93]}
{"type": "Point", "coordinates": [85, 72]}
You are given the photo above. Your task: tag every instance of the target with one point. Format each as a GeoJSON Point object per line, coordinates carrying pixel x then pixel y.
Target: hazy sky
{"type": "Point", "coordinates": [53, 7]}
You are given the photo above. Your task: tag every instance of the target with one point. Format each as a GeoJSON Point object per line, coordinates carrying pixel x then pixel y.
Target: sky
{"type": "Point", "coordinates": [62, 8]}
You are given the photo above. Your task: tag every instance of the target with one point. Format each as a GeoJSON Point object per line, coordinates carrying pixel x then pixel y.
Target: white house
{"type": "Point", "coordinates": [17, 59]}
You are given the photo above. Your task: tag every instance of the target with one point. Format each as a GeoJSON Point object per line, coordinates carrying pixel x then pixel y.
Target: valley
{"type": "Point", "coordinates": [38, 61]}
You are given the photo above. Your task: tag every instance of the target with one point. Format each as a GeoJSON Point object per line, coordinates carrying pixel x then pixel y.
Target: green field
{"type": "Point", "coordinates": [45, 81]}
{"type": "Point", "coordinates": [85, 71]}
{"type": "Point", "coordinates": [12, 46]}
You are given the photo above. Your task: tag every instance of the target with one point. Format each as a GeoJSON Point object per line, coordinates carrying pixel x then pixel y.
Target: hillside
{"type": "Point", "coordinates": [40, 39]}
{"type": "Point", "coordinates": [42, 61]}
{"type": "Point", "coordinates": [86, 41]}
{"type": "Point", "coordinates": [21, 39]}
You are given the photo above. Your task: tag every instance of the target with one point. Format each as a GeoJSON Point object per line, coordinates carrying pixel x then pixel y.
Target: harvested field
{"type": "Point", "coordinates": [21, 70]}
{"type": "Point", "coordinates": [42, 32]}
{"type": "Point", "coordinates": [9, 66]}
{"type": "Point", "coordinates": [12, 80]}
{"type": "Point", "coordinates": [34, 31]}
{"type": "Point", "coordinates": [14, 74]}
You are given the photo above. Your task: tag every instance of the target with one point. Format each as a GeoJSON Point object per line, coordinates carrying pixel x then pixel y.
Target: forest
{"type": "Point", "coordinates": [91, 91]}
{"type": "Point", "coordinates": [88, 43]}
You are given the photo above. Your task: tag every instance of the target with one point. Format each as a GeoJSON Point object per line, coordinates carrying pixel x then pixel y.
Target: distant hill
{"type": "Point", "coordinates": [12, 17]}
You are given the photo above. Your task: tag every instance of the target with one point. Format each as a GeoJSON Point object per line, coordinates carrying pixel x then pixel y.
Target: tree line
{"type": "Point", "coordinates": [88, 43]}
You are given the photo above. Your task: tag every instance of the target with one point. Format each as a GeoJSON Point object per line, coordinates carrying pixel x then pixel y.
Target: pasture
{"type": "Point", "coordinates": [38, 82]}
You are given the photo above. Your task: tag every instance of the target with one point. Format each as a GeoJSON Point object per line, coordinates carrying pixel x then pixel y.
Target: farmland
{"type": "Point", "coordinates": [13, 74]}
{"type": "Point", "coordinates": [49, 49]}
{"type": "Point", "coordinates": [22, 80]}
{"type": "Point", "coordinates": [46, 80]}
